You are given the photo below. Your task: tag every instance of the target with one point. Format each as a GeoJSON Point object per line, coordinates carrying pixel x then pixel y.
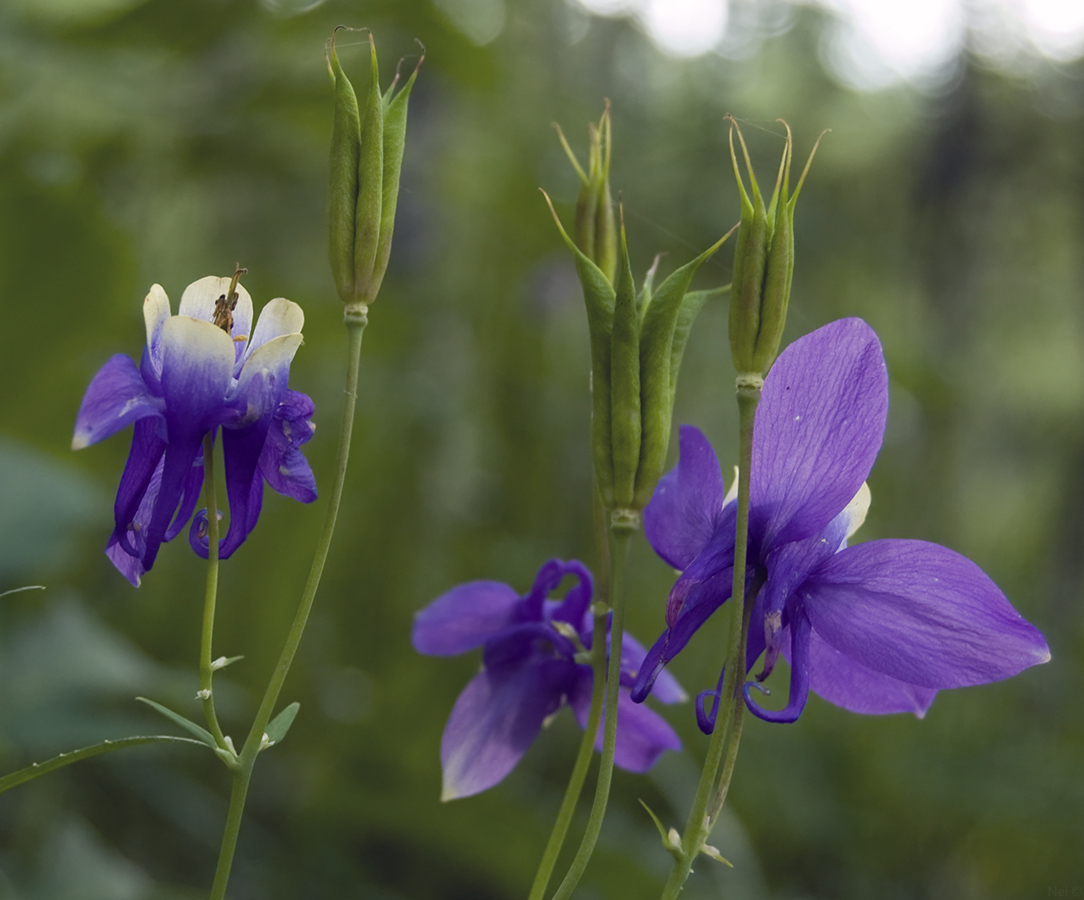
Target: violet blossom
{"type": "Point", "coordinates": [202, 368]}
{"type": "Point", "coordinates": [533, 656]}
{"type": "Point", "coordinates": [877, 627]}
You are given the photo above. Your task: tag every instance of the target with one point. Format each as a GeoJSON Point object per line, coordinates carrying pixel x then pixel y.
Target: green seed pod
{"type": "Point", "coordinates": [343, 181]}
{"type": "Point", "coordinates": [594, 229]}
{"type": "Point", "coordinates": [599, 299]}
{"type": "Point", "coordinates": [370, 185]}
{"type": "Point", "coordinates": [366, 160]}
{"type": "Point", "coordinates": [668, 317]}
{"type": "Point", "coordinates": [763, 263]}
{"type": "Point", "coordinates": [625, 381]}
{"type": "Point", "coordinates": [395, 120]}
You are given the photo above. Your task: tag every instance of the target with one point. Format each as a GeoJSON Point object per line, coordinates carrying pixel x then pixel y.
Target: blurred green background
{"type": "Point", "coordinates": [151, 141]}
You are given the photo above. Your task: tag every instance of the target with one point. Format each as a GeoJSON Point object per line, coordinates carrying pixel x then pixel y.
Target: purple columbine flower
{"type": "Point", "coordinates": [201, 369]}
{"type": "Point", "coordinates": [878, 627]}
{"type": "Point", "coordinates": [532, 666]}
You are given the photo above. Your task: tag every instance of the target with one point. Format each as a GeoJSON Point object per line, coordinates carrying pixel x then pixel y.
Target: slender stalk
{"type": "Point", "coordinates": [583, 762]}
{"type": "Point", "coordinates": [206, 673]}
{"type": "Point", "coordinates": [594, 715]}
{"type": "Point", "coordinates": [621, 530]}
{"type": "Point", "coordinates": [728, 719]}
{"type": "Point", "coordinates": [356, 319]}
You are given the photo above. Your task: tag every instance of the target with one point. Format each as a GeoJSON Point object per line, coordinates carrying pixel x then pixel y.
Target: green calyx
{"type": "Point", "coordinates": [366, 159]}
{"type": "Point", "coordinates": [638, 338]}
{"type": "Point", "coordinates": [763, 261]}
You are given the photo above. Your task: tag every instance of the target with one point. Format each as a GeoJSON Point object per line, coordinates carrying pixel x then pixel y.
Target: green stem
{"type": "Point", "coordinates": [206, 673]}
{"type": "Point", "coordinates": [594, 715]}
{"type": "Point", "coordinates": [356, 320]}
{"type": "Point", "coordinates": [622, 527]}
{"type": "Point", "coordinates": [728, 719]}
{"type": "Point", "coordinates": [579, 770]}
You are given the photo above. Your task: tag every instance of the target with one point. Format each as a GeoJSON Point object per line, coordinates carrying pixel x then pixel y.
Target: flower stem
{"type": "Point", "coordinates": [206, 673]}
{"type": "Point", "coordinates": [579, 770]}
{"type": "Point", "coordinates": [623, 524]}
{"type": "Point", "coordinates": [356, 320]}
{"type": "Point", "coordinates": [727, 734]}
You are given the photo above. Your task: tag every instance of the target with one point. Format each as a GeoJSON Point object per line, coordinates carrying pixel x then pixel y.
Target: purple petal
{"type": "Point", "coordinates": [493, 723]}
{"type": "Point", "coordinates": [642, 734]}
{"type": "Point", "coordinates": [282, 464]}
{"type": "Point", "coordinates": [192, 487]}
{"type": "Point", "coordinates": [463, 618]}
{"type": "Point", "coordinates": [547, 579]}
{"type": "Point", "coordinates": [666, 688]}
{"type": "Point", "coordinates": [920, 613]}
{"type": "Point", "coordinates": [131, 567]}
{"type": "Point", "coordinates": [705, 715]}
{"type": "Point", "coordinates": [138, 486]}
{"type": "Point", "coordinates": [683, 512]}
{"type": "Point", "coordinates": [261, 388]}
{"type": "Point", "coordinates": [117, 397]}
{"type": "Point", "coordinates": [197, 367]}
{"type": "Point", "coordinates": [846, 683]}
{"type": "Point", "coordinates": [516, 645]}
{"type": "Point", "coordinates": [177, 466]}
{"type": "Point", "coordinates": [714, 561]}
{"type": "Point", "coordinates": [573, 608]}
{"type": "Point", "coordinates": [799, 633]}
{"type": "Point", "coordinates": [703, 600]}
{"type": "Point", "coordinates": [818, 429]}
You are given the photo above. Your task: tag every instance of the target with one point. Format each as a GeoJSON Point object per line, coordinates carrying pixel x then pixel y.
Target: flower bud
{"type": "Point", "coordinates": [763, 262]}
{"type": "Point", "coordinates": [366, 159]}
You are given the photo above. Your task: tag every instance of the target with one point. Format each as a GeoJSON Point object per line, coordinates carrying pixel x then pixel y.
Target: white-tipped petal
{"type": "Point", "coordinates": [155, 312]}
{"type": "Point", "coordinates": [197, 365]}
{"type": "Point", "coordinates": [278, 318]}
{"type": "Point", "coordinates": [199, 298]}
{"type": "Point", "coordinates": [856, 510]}
{"type": "Point", "coordinates": [732, 494]}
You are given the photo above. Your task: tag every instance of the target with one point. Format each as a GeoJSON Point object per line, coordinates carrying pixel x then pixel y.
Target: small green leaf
{"type": "Point", "coordinates": [224, 661]}
{"type": "Point", "coordinates": [670, 839]}
{"type": "Point", "coordinates": [66, 759]}
{"type": "Point", "coordinates": [19, 590]}
{"type": "Point", "coordinates": [278, 726]}
{"type": "Point", "coordinates": [713, 853]}
{"type": "Point", "coordinates": [187, 724]}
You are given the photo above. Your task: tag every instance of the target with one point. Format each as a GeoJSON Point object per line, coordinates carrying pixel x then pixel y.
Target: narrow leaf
{"type": "Point", "coordinates": [712, 852]}
{"type": "Point", "coordinates": [278, 726]}
{"type": "Point", "coordinates": [19, 590]}
{"type": "Point", "coordinates": [667, 837]}
{"type": "Point", "coordinates": [66, 759]}
{"type": "Point", "coordinates": [187, 724]}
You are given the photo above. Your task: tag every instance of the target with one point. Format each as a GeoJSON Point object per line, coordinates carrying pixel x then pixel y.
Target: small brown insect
{"type": "Point", "coordinates": [227, 303]}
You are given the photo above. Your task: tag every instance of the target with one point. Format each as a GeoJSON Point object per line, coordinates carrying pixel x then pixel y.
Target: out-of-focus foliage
{"type": "Point", "coordinates": [157, 140]}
